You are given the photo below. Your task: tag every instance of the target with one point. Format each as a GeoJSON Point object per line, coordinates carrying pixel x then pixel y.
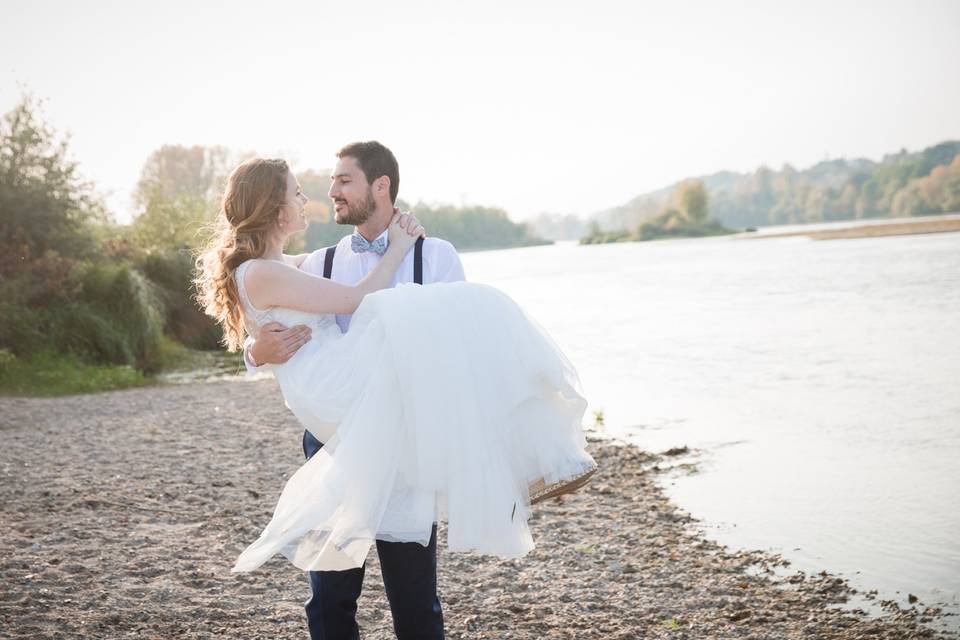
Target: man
{"type": "Point", "coordinates": [364, 188]}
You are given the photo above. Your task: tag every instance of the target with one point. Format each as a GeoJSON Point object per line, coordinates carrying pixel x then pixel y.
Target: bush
{"type": "Point", "coordinates": [172, 273]}
{"type": "Point", "coordinates": [23, 331]}
{"type": "Point", "coordinates": [7, 360]}
{"type": "Point", "coordinates": [83, 331]}
{"type": "Point", "coordinates": [128, 309]}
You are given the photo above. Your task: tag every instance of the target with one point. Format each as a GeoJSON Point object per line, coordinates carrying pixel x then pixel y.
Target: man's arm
{"type": "Point", "coordinates": [275, 345]}
{"type": "Point", "coordinates": [445, 265]}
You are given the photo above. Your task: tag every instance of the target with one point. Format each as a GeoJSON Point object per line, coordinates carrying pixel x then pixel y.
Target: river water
{"type": "Point", "coordinates": [818, 383]}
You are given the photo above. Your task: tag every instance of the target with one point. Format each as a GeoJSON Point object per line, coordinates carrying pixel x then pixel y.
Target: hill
{"type": "Point", "coordinates": [901, 184]}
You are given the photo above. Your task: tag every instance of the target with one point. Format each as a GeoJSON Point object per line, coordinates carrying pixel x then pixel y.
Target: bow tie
{"type": "Point", "coordinates": [359, 244]}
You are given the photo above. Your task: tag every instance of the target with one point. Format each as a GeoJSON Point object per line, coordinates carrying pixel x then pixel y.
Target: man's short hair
{"type": "Point", "coordinates": [375, 160]}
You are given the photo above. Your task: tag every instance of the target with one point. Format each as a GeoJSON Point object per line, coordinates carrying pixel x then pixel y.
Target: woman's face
{"type": "Point", "coordinates": [293, 217]}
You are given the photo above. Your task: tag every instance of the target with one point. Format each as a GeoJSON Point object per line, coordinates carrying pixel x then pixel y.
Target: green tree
{"type": "Point", "coordinates": [691, 200]}
{"type": "Point", "coordinates": [59, 293]}
{"type": "Point", "coordinates": [475, 227]}
{"type": "Point", "coordinates": [177, 196]}
{"type": "Point", "coordinates": [46, 209]}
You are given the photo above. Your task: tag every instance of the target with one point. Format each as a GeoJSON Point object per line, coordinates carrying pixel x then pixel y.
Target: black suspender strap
{"type": "Point", "coordinates": [328, 261]}
{"type": "Point", "coordinates": [418, 261]}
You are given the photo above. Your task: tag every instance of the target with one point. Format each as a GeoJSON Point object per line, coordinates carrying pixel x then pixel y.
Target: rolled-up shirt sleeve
{"type": "Point", "coordinates": [252, 369]}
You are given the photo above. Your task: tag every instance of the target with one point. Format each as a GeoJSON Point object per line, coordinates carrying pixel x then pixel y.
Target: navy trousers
{"type": "Point", "coordinates": [409, 578]}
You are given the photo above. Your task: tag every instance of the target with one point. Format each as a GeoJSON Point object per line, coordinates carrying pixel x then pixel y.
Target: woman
{"type": "Point", "coordinates": [440, 402]}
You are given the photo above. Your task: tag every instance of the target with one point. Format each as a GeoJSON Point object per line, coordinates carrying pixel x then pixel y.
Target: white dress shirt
{"type": "Point", "coordinates": [440, 264]}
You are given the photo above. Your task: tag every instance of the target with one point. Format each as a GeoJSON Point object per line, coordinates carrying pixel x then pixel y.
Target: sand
{"type": "Point", "coordinates": [123, 512]}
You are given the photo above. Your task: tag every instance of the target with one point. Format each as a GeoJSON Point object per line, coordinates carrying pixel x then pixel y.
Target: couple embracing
{"type": "Point", "coordinates": [420, 403]}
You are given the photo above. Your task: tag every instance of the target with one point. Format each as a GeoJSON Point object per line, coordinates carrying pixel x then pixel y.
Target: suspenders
{"type": "Point", "coordinates": [417, 261]}
{"type": "Point", "coordinates": [328, 261]}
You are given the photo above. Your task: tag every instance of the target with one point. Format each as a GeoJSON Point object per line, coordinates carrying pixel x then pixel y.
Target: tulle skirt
{"type": "Point", "coordinates": [441, 402]}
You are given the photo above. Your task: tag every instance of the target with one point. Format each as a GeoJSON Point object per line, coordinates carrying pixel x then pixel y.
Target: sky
{"type": "Point", "coordinates": [532, 106]}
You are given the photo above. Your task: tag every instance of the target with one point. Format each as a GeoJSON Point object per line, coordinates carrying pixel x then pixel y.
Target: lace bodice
{"type": "Point", "coordinates": [254, 318]}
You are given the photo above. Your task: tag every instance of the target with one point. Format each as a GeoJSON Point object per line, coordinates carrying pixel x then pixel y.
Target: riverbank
{"type": "Point", "coordinates": [869, 229]}
{"type": "Point", "coordinates": [125, 510]}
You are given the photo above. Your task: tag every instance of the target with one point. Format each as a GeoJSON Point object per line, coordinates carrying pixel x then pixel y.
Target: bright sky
{"type": "Point", "coordinates": [529, 105]}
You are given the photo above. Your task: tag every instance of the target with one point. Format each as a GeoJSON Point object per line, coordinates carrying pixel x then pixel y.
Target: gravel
{"type": "Point", "coordinates": [123, 512]}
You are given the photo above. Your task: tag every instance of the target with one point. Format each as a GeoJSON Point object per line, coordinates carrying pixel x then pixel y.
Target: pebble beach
{"type": "Point", "coordinates": [123, 512]}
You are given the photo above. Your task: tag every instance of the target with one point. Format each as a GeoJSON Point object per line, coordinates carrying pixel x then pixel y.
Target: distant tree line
{"type": "Point", "coordinates": [902, 184]}
{"type": "Point", "coordinates": [685, 215]}
{"type": "Point", "coordinates": [559, 226]}
{"type": "Point", "coordinates": [468, 227]}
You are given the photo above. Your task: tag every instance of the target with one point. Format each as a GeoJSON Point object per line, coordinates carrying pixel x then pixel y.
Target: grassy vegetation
{"type": "Point", "coordinates": [53, 374]}
{"type": "Point", "coordinates": [56, 374]}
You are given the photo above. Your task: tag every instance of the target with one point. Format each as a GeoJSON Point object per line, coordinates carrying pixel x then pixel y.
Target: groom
{"type": "Point", "coordinates": [364, 188]}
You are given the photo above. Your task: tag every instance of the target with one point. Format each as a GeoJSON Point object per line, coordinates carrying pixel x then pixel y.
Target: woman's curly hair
{"type": "Point", "coordinates": [255, 192]}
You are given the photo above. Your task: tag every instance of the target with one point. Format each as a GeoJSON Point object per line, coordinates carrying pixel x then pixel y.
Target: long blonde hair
{"type": "Point", "coordinates": [255, 192]}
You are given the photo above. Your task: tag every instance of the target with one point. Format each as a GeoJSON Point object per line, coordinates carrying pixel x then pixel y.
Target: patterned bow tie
{"type": "Point", "coordinates": [359, 244]}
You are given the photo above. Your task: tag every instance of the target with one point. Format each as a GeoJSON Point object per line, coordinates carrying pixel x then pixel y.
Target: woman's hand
{"type": "Point", "coordinates": [404, 230]}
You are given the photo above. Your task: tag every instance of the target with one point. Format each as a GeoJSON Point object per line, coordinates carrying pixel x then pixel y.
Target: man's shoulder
{"type": "Point", "coordinates": [314, 260]}
{"type": "Point", "coordinates": [438, 246]}
{"type": "Point", "coordinates": [323, 250]}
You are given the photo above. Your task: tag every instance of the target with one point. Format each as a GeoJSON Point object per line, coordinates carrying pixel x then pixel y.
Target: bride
{"type": "Point", "coordinates": [441, 402]}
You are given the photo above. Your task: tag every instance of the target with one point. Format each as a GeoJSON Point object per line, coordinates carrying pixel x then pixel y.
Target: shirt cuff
{"type": "Point", "coordinates": [253, 369]}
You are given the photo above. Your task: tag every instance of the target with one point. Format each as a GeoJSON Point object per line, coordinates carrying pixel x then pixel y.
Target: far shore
{"type": "Point", "coordinates": [868, 228]}
{"type": "Point", "coordinates": [124, 511]}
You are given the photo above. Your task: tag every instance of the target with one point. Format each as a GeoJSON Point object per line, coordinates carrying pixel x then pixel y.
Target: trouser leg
{"type": "Point", "coordinates": [410, 581]}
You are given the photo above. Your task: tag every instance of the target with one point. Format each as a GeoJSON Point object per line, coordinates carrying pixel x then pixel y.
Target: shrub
{"type": "Point", "coordinates": [130, 309]}
{"type": "Point", "coordinates": [172, 273]}
{"type": "Point", "coordinates": [23, 331]}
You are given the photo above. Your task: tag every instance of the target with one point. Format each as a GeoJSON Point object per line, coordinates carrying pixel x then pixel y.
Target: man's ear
{"type": "Point", "coordinates": [382, 186]}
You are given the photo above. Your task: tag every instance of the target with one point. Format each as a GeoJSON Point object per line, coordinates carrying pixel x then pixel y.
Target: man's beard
{"type": "Point", "coordinates": [357, 214]}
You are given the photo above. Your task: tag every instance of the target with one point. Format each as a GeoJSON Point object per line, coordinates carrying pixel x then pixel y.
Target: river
{"type": "Point", "coordinates": [817, 383]}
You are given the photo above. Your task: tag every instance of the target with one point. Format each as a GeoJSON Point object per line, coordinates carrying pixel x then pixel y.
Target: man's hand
{"type": "Point", "coordinates": [276, 344]}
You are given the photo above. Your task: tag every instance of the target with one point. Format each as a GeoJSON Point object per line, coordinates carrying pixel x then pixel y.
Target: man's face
{"type": "Point", "coordinates": [352, 195]}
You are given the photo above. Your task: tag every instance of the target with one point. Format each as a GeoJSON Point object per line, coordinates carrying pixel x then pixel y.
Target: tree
{"type": "Point", "coordinates": [59, 293]}
{"type": "Point", "coordinates": [45, 207]}
{"type": "Point", "coordinates": [177, 195]}
{"type": "Point", "coordinates": [691, 200]}
{"type": "Point", "coordinates": [174, 171]}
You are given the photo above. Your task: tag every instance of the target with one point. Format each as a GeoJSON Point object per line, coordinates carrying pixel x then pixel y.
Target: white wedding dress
{"type": "Point", "coordinates": [441, 402]}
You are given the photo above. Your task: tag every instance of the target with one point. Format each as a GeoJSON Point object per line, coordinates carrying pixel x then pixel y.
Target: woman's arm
{"type": "Point", "coordinates": [270, 283]}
